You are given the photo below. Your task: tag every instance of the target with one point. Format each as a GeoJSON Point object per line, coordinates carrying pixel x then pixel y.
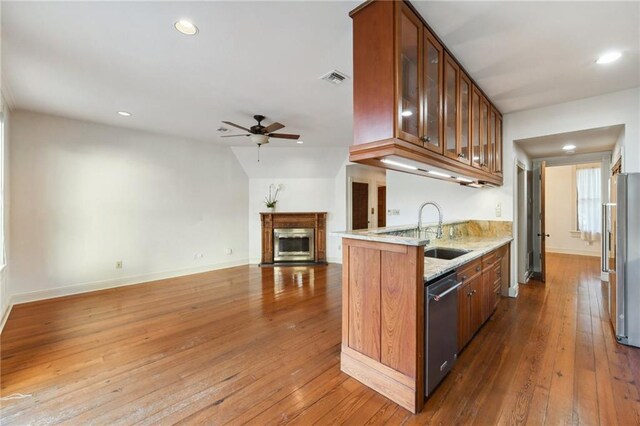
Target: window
{"type": "Point", "coordinates": [588, 204]}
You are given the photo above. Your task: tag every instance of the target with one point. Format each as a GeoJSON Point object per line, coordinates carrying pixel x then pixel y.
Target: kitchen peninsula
{"type": "Point", "coordinates": [385, 321]}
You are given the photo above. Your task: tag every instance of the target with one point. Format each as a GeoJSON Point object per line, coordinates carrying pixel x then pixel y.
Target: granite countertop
{"type": "Point", "coordinates": [479, 246]}
{"type": "Point", "coordinates": [433, 268]}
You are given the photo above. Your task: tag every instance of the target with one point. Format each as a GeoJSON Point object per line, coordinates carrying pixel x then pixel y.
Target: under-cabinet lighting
{"type": "Point", "coordinates": [569, 147]}
{"type": "Point", "coordinates": [463, 179]}
{"type": "Point", "coordinates": [435, 173]}
{"type": "Point", "coordinates": [407, 113]}
{"type": "Point", "coordinates": [124, 113]}
{"type": "Point", "coordinates": [609, 57]}
{"type": "Point", "coordinates": [299, 141]}
{"type": "Point", "coordinates": [398, 164]}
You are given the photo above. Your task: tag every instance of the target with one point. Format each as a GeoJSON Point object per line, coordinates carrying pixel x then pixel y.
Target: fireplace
{"type": "Point", "coordinates": [289, 237]}
{"type": "Point", "coordinates": [293, 245]}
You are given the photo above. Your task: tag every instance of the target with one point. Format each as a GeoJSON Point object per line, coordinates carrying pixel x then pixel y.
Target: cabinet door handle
{"type": "Point", "coordinates": [426, 139]}
{"type": "Point", "coordinates": [461, 155]}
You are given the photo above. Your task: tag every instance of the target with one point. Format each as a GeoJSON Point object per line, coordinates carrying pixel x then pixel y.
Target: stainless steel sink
{"type": "Point", "coordinates": [444, 253]}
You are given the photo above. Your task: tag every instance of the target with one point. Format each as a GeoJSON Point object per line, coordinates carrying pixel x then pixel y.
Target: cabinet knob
{"type": "Point", "coordinates": [484, 164]}
{"type": "Point", "coordinates": [464, 277]}
{"type": "Point", "coordinates": [461, 155]}
{"type": "Point", "coordinates": [426, 139]}
{"type": "Point", "coordinates": [478, 268]}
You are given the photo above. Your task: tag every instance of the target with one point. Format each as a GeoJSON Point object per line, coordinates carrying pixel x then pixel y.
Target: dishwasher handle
{"type": "Point", "coordinates": [437, 297]}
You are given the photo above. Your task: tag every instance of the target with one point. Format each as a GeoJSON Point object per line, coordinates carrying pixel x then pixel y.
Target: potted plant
{"type": "Point", "coordinates": [272, 199]}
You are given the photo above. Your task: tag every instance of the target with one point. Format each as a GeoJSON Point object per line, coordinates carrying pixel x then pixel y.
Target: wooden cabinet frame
{"type": "Point", "coordinates": [403, 10]}
{"type": "Point", "coordinates": [463, 77]}
{"type": "Point", "coordinates": [449, 61]}
{"type": "Point", "coordinates": [429, 39]}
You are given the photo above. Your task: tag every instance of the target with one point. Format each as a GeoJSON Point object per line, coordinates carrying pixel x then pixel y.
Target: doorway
{"type": "Point", "coordinates": [359, 205]}
{"type": "Point", "coordinates": [525, 222]}
{"type": "Point", "coordinates": [366, 197]}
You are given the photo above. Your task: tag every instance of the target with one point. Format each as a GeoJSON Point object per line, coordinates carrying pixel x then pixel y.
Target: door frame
{"type": "Point", "coordinates": [351, 181]}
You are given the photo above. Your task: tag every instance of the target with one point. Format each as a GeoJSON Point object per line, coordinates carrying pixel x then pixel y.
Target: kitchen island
{"type": "Point", "coordinates": [383, 298]}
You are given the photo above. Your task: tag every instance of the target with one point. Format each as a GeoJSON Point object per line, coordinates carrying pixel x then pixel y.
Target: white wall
{"type": "Point", "coordinates": [86, 195]}
{"type": "Point", "coordinates": [406, 192]}
{"type": "Point", "coordinates": [4, 273]}
{"type": "Point", "coordinates": [560, 208]}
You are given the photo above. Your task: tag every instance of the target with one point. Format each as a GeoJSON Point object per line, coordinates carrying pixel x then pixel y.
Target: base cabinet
{"type": "Point", "coordinates": [478, 296]}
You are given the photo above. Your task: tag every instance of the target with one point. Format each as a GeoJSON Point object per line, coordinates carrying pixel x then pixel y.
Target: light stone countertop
{"type": "Point", "coordinates": [433, 268]}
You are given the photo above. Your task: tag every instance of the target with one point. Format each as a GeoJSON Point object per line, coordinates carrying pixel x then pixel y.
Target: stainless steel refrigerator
{"type": "Point", "coordinates": [622, 256]}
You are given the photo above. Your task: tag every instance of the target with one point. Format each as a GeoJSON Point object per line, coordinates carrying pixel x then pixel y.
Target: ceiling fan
{"type": "Point", "coordinates": [260, 134]}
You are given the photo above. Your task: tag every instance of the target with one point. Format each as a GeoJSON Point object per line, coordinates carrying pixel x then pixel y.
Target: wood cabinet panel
{"type": "Point", "coordinates": [475, 308]}
{"type": "Point", "coordinates": [399, 328]}
{"type": "Point", "coordinates": [497, 148]}
{"type": "Point", "coordinates": [364, 301]}
{"type": "Point", "coordinates": [464, 312]}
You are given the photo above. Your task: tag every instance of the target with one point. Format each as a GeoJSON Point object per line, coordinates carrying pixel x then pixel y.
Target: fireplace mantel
{"type": "Point", "coordinates": [315, 220]}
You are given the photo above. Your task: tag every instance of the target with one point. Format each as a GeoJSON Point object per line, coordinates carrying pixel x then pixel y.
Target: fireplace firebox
{"type": "Point", "coordinates": [293, 245]}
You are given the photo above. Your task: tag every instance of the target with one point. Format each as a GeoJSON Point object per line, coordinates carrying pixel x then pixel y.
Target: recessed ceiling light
{"type": "Point", "coordinates": [186, 27]}
{"type": "Point", "coordinates": [124, 113]}
{"type": "Point", "coordinates": [609, 57]}
{"type": "Point", "coordinates": [407, 113]}
{"type": "Point", "coordinates": [299, 141]}
{"type": "Point", "coordinates": [569, 147]}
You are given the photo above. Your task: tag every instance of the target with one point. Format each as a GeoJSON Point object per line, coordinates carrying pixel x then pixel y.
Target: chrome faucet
{"type": "Point", "coordinates": [439, 231]}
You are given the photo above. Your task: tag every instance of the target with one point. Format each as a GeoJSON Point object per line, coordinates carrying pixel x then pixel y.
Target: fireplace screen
{"type": "Point", "coordinates": [293, 245]}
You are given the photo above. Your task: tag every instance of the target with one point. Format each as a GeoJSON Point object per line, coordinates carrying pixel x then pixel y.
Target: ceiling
{"type": "Point", "coordinates": [265, 58]}
{"type": "Point", "coordinates": [601, 139]}
{"type": "Point", "coordinates": [528, 54]}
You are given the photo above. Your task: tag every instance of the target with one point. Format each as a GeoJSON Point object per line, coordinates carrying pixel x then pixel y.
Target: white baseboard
{"type": "Point", "coordinates": [335, 260]}
{"type": "Point", "coordinates": [604, 276]}
{"type": "Point", "coordinates": [5, 316]}
{"type": "Point", "coordinates": [574, 252]}
{"type": "Point", "coordinates": [513, 291]}
{"type": "Point", "coordinates": [33, 296]}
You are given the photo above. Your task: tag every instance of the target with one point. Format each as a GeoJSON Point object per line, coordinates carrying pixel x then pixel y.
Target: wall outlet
{"type": "Point", "coordinates": [119, 264]}
{"type": "Point", "coordinates": [498, 209]}
{"type": "Point", "coordinates": [393, 212]}
{"type": "Point", "coordinates": [228, 251]}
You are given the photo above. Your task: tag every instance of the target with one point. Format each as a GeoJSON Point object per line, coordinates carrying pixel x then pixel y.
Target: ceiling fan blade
{"type": "Point", "coordinates": [232, 136]}
{"type": "Point", "coordinates": [283, 136]}
{"type": "Point", "coordinates": [273, 127]}
{"type": "Point", "coordinates": [235, 125]}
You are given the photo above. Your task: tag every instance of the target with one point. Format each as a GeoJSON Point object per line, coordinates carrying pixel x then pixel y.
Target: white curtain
{"type": "Point", "coordinates": [589, 205]}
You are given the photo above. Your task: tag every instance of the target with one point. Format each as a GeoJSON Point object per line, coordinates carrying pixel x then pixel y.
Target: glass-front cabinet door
{"type": "Point", "coordinates": [497, 164]}
{"type": "Point", "coordinates": [484, 142]}
{"type": "Point", "coordinates": [450, 107]}
{"type": "Point", "coordinates": [476, 150]}
{"type": "Point", "coordinates": [491, 138]}
{"type": "Point", "coordinates": [464, 108]}
{"type": "Point", "coordinates": [432, 81]}
{"type": "Point", "coordinates": [410, 46]}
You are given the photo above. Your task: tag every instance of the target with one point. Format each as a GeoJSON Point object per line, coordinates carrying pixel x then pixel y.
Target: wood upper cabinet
{"type": "Point", "coordinates": [497, 147]}
{"type": "Point", "coordinates": [451, 72]}
{"type": "Point", "coordinates": [410, 100]}
{"type": "Point", "coordinates": [432, 82]}
{"type": "Point", "coordinates": [484, 134]}
{"type": "Point", "coordinates": [464, 113]}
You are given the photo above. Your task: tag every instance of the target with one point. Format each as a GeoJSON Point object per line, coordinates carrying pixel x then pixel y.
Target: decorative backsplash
{"type": "Point", "coordinates": [478, 228]}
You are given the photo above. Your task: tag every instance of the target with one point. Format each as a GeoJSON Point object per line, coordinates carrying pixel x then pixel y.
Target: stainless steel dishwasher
{"type": "Point", "coordinates": [441, 328]}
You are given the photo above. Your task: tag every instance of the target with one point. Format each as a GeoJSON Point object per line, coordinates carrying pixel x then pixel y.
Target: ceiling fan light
{"type": "Point", "coordinates": [259, 139]}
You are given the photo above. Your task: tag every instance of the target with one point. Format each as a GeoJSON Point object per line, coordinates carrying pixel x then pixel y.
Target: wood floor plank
{"type": "Point", "coordinates": [261, 346]}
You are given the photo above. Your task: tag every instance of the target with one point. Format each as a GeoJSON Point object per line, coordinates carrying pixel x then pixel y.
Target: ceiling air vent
{"type": "Point", "coordinates": [334, 77]}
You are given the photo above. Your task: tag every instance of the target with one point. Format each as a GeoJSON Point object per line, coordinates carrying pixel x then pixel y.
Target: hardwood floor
{"type": "Point", "coordinates": [261, 346]}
